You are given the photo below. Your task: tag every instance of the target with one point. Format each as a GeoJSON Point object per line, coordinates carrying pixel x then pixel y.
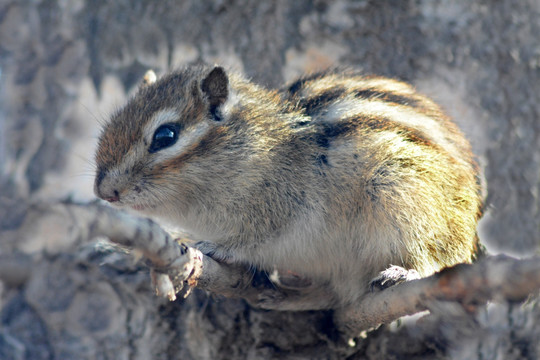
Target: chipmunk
{"type": "Point", "coordinates": [333, 178]}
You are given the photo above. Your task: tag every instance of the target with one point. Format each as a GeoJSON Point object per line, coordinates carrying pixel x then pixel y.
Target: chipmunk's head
{"type": "Point", "coordinates": [157, 151]}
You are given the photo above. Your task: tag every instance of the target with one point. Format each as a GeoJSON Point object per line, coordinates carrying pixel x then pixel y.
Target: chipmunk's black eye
{"type": "Point", "coordinates": [165, 136]}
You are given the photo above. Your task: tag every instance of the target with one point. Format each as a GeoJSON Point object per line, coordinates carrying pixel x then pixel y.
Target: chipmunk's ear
{"type": "Point", "coordinates": [149, 78]}
{"type": "Point", "coordinates": [215, 87]}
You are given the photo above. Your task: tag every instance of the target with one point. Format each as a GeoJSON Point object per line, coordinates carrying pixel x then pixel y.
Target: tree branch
{"type": "Point", "coordinates": [177, 267]}
{"type": "Point", "coordinates": [499, 278]}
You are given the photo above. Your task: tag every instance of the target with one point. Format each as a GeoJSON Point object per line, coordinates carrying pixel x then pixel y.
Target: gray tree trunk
{"type": "Point", "coordinates": [66, 65]}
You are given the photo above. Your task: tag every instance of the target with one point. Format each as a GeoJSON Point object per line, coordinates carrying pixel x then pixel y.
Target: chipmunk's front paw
{"type": "Point", "coordinates": [392, 276]}
{"type": "Point", "coordinates": [178, 275]}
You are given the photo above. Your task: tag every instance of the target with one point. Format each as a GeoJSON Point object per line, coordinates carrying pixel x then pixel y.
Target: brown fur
{"type": "Point", "coordinates": [335, 177]}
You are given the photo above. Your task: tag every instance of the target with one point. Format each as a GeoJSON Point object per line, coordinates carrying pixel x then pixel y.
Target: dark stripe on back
{"type": "Point", "coordinates": [296, 86]}
{"type": "Point", "coordinates": [314, 104]}
{"type": "Point", "coordinates": [324, 133]}
{"type": "Point", "coordinates": [327, 132]}
{"type": "Point", "coordinates": [387, 97]}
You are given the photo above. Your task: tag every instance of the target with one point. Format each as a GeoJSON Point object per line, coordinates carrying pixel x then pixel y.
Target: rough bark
{"type": "Point", "coordinates": [65, 66]}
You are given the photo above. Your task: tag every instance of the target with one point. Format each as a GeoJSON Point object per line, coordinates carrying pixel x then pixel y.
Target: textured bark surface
{"type": "Point", "coordinates": [66, 65]}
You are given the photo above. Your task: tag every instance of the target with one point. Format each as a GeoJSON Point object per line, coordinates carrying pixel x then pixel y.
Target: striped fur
{"type": "Point", "coordinates": [334, 177]}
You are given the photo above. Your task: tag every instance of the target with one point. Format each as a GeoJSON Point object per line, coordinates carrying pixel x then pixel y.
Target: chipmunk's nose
{"type": "Point", "coordinates": [105, 188]}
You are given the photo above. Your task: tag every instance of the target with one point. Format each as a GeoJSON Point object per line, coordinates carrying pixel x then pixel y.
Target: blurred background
{"type": "Point", "coordinates": [65, 66]}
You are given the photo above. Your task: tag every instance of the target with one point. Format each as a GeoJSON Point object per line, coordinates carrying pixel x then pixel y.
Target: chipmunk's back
{"type": "Point", "coordinates": [395, 162]}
